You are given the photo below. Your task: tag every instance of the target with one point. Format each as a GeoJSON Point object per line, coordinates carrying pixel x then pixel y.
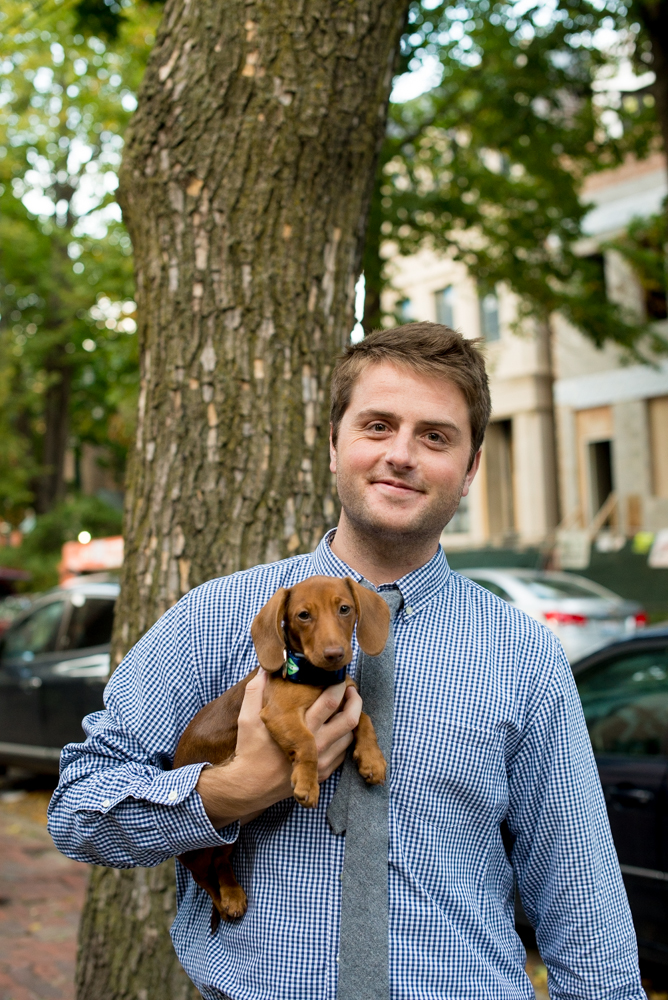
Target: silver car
{"type": "Point", "coordinates": [581, 613]}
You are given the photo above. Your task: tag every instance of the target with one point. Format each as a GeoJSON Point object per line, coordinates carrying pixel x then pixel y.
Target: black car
{"type": "Point", "coordinates": [54, 663]}
{"type": "Point", "coordinates": [624, 692]}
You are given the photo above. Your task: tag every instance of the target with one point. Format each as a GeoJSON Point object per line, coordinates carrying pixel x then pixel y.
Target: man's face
{"type": "Point", "coordinates": [402, 453]}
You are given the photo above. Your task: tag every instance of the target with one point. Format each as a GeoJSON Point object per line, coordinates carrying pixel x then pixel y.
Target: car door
{"type": "Point", "coordinates": [72, 685]}
{"type": "Point", "coordinates": [625, 700]}
{"type": "Point", "coordinates": [26, 648]}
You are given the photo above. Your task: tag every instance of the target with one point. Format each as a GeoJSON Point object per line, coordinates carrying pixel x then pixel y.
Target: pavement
{"type": "Point", "coordinates": [41, 897]}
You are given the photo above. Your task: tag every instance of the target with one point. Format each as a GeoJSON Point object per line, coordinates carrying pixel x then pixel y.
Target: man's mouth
{"type": "Point", "coordinates": [400, 485]}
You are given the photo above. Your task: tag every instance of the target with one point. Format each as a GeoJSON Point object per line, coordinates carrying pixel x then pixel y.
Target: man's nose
{"type": "Point", "coordinates": [333, 653]}
{"type": "Point", "coordinates": [400, 452]}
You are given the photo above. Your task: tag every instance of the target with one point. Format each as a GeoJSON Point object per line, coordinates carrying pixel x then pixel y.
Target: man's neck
{"type": "Point", "coordinates": [380, 560]}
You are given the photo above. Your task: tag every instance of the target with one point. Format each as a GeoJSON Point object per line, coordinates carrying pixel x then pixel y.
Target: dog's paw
{"type": "Point", "coordinates": [233, 902]}
{"type": "Point", "coordinates": [371, 765]}
{"type": "Point", "coordinates": [306, 789]}
{"type": "Point", "coordinates": [307, 795]}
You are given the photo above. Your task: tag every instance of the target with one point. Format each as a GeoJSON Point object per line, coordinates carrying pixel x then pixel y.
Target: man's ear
{"type": "Point", "coordinates": [267, 632]}
{"type": "Point", "coordinates": [373, 618]}
{"type": "Point", "coordinates": [332, 451]}
{"type": "Point", "coordinates": [471, 473]}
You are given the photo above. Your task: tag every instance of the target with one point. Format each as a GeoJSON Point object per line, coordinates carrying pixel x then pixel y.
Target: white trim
{"type": "Point", "coordinates": [616, 386]}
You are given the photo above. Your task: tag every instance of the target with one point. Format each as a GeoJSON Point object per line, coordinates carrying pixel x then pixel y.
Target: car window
{"type": "Point", "coordinates": [625, 703]}
{"type": "Point", "coordinates": [91, 622]}
{"type": "Point", "coordinates": [557, 588]}
{"type": "Point", "coordinates": [37, 633]}
{"type": "Point", "coordinates": [493, 588]}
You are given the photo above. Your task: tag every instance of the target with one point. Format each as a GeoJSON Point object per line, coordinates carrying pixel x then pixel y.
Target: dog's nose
{"type": "Point", "coordinates": [333, 653]}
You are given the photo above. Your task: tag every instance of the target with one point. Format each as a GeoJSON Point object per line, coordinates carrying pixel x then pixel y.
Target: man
{"type": "Point", "coordinates": [487, 727]}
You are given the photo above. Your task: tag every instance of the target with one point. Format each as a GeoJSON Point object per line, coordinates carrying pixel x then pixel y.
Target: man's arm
{"type": "Point", "coordinates": [119, 804]}
{"type": "Point", "coordinates": [563, 856]}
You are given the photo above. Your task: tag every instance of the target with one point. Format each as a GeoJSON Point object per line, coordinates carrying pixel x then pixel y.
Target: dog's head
{"type": "Point", "coordinates": [316, 618]}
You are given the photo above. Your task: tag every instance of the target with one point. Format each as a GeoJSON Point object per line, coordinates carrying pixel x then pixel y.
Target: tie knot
{"type": "Point", "coordinates": [393, 599]}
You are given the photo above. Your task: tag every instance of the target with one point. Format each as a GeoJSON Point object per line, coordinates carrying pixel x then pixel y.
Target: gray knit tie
{"type": "Point", "coordinates": [361, 811]}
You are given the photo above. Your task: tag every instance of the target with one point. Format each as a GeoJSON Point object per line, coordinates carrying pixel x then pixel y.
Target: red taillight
{"type": "Point", "coordinates": [641, 619]}
{"type": "Point", "coordinates": [561, 618]}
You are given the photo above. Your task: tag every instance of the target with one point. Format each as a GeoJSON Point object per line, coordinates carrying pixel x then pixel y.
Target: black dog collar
{"type": "Point", "coordinates": [299, 670]}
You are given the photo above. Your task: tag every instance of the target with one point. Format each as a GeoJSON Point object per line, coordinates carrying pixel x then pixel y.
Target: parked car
{"type": "Point", "coordinates": [54, 663]}
{"type": "Point", "coordinates": [583, 614]}
{"type": "Point", "coordinates": [624, 692]}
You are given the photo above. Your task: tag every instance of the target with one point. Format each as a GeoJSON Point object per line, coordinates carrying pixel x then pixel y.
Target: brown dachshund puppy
{"type": "Point", "coordinates": [303, 639]}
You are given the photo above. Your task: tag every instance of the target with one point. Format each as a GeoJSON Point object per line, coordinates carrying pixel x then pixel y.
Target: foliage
{"type": "Point", "coordinates": [66, 281]}
{"type": "Point", "coordinates": [487, 166]}
{"type": "Point", "coordinates": [644, 246]}
{"type": "Point", "coordinates": [40, 551]}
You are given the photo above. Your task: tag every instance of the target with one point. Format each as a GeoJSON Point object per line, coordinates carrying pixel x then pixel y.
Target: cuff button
{"type": "Point", "coordinates": [106, 803]}
{"type": "Point", "coordinates": [172, 796]}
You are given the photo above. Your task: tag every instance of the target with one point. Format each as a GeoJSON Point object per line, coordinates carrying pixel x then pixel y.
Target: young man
{"type": "Point", "coordinates": [487, 727]}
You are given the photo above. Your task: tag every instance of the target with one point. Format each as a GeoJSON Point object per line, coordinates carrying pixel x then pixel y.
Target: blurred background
{"type": "Point", "coordinates": [520, 198]}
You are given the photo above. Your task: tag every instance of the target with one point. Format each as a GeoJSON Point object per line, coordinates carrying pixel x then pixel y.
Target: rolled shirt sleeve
{"type": "Point", "coordinates": [563, 854]}
{"type": "Point", "coordinates": [118, 803]}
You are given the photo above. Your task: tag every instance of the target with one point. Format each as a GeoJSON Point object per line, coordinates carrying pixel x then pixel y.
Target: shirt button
{"type": "Point", "coordinates": [106, 803]}
{"type": "Point", "coordinates": [172, 796]}
{"type": "Point", "coordinates": [409, 611]}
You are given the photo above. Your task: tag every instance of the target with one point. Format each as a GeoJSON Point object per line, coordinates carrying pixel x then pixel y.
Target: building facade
{"type": "Point", "coordinates": [573, 428]}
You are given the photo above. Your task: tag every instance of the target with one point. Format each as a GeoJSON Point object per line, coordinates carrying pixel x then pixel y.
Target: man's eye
{"type": "Point", "coordinates": [303, 616]}
{"type": "Point", "coordinates": [344, 609]}
{"type": "Point", "coordinates": [378, 428]}
{"type": "Point", "coordinates": [435, 437]}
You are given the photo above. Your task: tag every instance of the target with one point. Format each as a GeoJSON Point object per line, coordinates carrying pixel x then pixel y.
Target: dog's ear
{"type": "Point", "coordinates": [267, 633]}
{"type": "Point", "coordinates": [373, 618]}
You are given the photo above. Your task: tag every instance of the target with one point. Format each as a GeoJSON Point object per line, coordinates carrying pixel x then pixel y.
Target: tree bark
{"type": "Point", "coordinates": [245, 186]}
{"type": "Point", "coordinates": [50, 486]}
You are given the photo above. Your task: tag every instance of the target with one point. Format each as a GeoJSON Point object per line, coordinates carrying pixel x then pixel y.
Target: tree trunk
{"type": "Point", "coordinates": [50, 487]}
{"type": "Point", "coordinates": [246, 183]}
{"type": "Point", "coordinates": [653, 14]}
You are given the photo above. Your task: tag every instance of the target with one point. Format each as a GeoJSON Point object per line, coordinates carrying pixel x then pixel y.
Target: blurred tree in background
{"type": "Point", "coordinates": [487, 165]}
{"type": "Point", "coordinates": [68, 354]}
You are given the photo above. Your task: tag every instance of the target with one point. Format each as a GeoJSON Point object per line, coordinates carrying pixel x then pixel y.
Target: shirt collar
{"type": "Point", "coordinates": [417, 588]}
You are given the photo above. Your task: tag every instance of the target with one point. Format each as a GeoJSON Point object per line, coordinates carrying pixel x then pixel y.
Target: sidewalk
{"type": "Point", "coordinates": [41, 895]}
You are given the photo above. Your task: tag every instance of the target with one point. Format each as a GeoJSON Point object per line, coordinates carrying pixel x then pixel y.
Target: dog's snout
{"type": "Point", "coordinates": [333, 653]}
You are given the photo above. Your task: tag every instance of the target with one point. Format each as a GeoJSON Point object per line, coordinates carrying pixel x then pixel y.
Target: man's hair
{"type": "Point", "coordinates": [427, 349]}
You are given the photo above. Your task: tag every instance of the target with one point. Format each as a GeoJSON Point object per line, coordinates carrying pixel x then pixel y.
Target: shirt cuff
{"type": "Point", "coordinates": [178, 811]}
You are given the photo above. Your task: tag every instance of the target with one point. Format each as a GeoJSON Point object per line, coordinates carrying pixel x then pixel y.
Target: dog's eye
{"type": "Point", "coordinates": [303, 616]}
{"type": "Point", "coordinates": [344, 609]}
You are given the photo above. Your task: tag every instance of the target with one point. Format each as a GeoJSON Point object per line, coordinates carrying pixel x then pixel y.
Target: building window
{"type": "Point", "coordinates": [405, 311]}
{"type": "Point", "coordinates": [461, 522]}
{"type": "Point", "coordinates": [445, 306]}
{"type": "Point", "coordinates": [656, 304]}
{"type": "Point", "coordinates": [489, 317]}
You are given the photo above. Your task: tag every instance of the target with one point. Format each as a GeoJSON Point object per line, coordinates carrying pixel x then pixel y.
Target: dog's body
{"type": "Point", "coordinates": [306, 629]}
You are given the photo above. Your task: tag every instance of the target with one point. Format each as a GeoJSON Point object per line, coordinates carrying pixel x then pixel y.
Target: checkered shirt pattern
{"type": "Point", "coordinates": [487, 726]}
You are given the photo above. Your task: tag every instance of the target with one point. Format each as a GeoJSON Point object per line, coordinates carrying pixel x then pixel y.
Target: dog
{"type": "Point", "coordinates": [303, 639]}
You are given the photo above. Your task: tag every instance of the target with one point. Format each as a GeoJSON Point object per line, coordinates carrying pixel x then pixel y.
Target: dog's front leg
{"type": "Point", "coordinates": [288, 728]}
{"type": "Point", "coordinates": [367, 754]}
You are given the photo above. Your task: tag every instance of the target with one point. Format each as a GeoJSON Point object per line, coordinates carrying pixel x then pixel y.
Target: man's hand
{"type": "Point", "coordinates": [259, 773]}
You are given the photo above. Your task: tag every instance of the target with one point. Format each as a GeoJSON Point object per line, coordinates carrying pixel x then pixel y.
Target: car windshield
{"type": "Point", "coordinates": [553, 588]}
{"type": "Point", "coordinates": [35, 634]}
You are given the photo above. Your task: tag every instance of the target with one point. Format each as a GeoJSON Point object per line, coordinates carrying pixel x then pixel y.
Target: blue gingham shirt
{"type": "Point", "coordinates": [487, 726]}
